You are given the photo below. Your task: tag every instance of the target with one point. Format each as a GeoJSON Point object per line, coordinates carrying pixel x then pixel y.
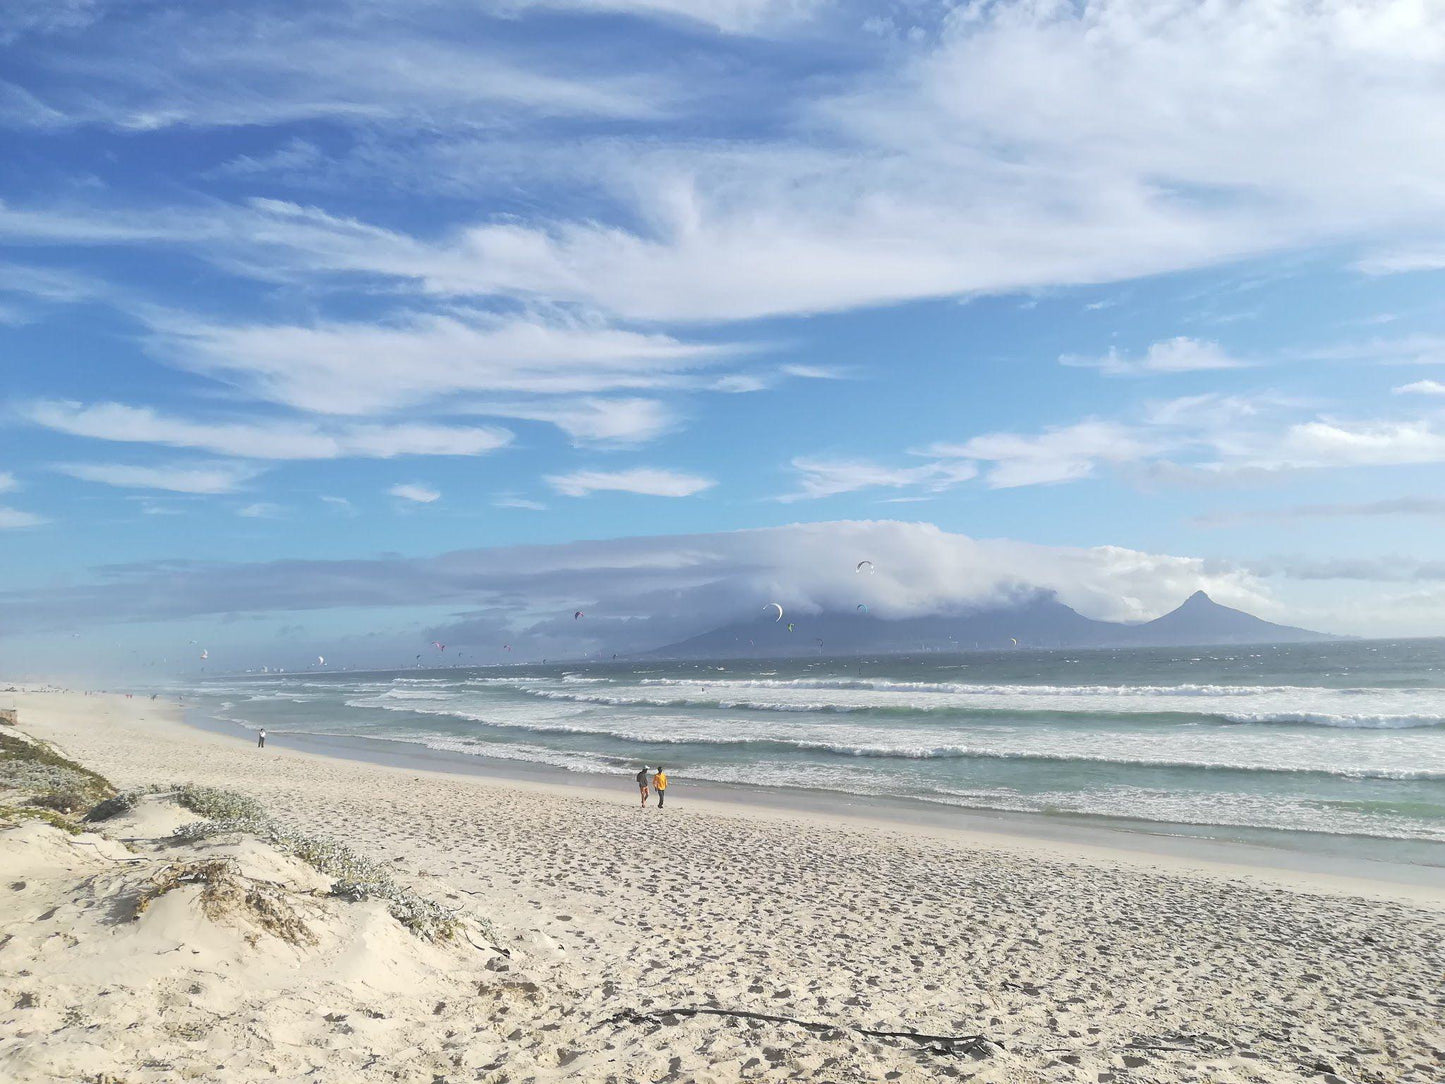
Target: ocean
{"type": "Point", "coordinates": [1277, 744]}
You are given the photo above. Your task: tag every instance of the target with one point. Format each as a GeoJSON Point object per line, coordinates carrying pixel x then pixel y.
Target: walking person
{"type": "Point", "coordinates": [659, 780]}
{"type": "Point", "coordinates": [261, 739]}
{"type": "Point", "coordinates": [642, 784]}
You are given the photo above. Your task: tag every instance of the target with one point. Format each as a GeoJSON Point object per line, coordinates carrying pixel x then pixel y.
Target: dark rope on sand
{"type": "Point", "coordinates": [950, 1044]}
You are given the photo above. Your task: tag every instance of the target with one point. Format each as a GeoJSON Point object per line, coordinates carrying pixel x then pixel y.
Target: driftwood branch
{"type": "Point", "coordinates": [950, 1044]}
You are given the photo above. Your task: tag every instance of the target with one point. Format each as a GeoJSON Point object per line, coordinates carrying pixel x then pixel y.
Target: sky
{"type": "Point", "coordinates": [332, 329]}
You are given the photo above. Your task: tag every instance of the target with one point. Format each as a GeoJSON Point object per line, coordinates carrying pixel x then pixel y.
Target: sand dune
{"type": "Point", "coordinates": [1073, 970]}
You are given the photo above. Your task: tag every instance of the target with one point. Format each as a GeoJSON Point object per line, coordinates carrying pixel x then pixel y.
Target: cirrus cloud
{"type": "Point", "coordinates": [1060, 454]}
{"type": "Point", "coordinates": [1177, 355]}
{"type": "Point", "coordinates": [262, 439]}
{"type": "Point", "coordinates": [647, 481]}
{"type": "Point", "coordinates": [203, 478]}
{"type": "Point", "coordinates": [333, 367]}
{"type": "Point", "coordinates": [415, 492]}
{"type": "Point", "coordinates": [14, 519]}
{"type": "Point", "coordinates": [1420, 387]}
{"type": "Point", "coordinates": [820, 477]}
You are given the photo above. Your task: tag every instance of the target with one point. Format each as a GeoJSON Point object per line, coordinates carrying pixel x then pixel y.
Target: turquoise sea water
{"type": "Point", "coordinates": [1344, 740]}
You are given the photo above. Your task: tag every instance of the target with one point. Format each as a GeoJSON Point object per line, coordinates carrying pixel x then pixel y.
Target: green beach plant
{"type": "Point", "coordinates": [353, 877]}
{"type": "Point", "coordinates": [11, 815]}
{"type": "Point", "coordinates": [123, 802]}
{"type": "Point", "coordinates": [33, 766]}
{"type": "Point", "coordinates": [61, 801]}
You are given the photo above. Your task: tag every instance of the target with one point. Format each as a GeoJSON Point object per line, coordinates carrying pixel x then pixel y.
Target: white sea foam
{"type": "Point", "coordinates": [1371, 709]}
{"type": "Point", "coordinates": [1412, 757]}
{"type": "Point", "coordinates": [1359, 758]}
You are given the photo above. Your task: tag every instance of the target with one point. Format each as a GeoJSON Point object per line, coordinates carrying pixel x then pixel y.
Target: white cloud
{"type": "Point", "coordinates": [508, 501]}
{"type": "Point", "coordinates": [1198, 439]}
{"type": "Point", "coordinates": [262, 439]}
{"type": "Point", "coordinates": [8, 482]}
{"type": "Point", "coordinates": [1398, 261]}
{"type": "Point", "coordinates": [1177, 355]}
{"type": "Point", "coordinates": [21, 18]}
{"type": "Point", "coordinates": [1420, 387]}
{"type": "Point", "coordinates": [591, 420]}
{"type": "Point", "coordinates": [340, 503]}
{"type": "Point", "coordinates": [1327, 443]}
{"type": "Point", "coordinates": [1006, 150]}
{"type": "Point", "coordinates": [736, 16]}
{"type": "Point", "coordinates": [14, 519]}
{"type": "Point", "coordinates": [1010, 151]}
{"type": "Point", "coordinates": [647, 481]}
{"type": "Point", "coordinates": [415, 492]}
{"type": "Point", "coordinates": [363, 64]}
{"type": "Point", "coordinates": [762, 380]}
{"type": "Point", "coordinates": [1416, 349]}
{"type": "Point", "coordinates": [149, 507]}
{"type": "Point", "coordinates": [741, 383]}
{"type": "Point", "coordinates": [812, 372]}
{"type": "Point", "coordinates": [27, 292]}
{"type": "Point", "coordinates": [260, 510]}
{"type": "Point", "coordinates": [354, 368]}
{"type": "Point", "coordinates": [1059, 454]}
{"type": "Point", "coordinates": [216, 477]}
{"type": "Point", "coordinates": [294, 155]}
{"type": "Point", "coordinates": [829, 477]}
{"type": "Point", "coordinates": [1211, 411]}
{"type": "Point", "coordinates": [47, 283]}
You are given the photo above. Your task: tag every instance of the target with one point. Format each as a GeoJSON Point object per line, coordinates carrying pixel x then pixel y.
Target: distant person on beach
{"type": "Point", "coordinates": [261, 739]}
{"type": "Point", "coordinates": [642, 783]}
{"type": "Point", "coordinates": [659, 780]}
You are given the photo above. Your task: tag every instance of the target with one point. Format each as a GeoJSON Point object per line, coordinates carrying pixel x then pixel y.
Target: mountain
{"type": "Point", "coordinates": [1036, 622]}
{"type": "Point", "coordinates": [1201, 620]}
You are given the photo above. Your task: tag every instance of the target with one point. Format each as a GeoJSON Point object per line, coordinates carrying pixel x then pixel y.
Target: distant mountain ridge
{"type": "Point", "coordinates": [1041, 621]}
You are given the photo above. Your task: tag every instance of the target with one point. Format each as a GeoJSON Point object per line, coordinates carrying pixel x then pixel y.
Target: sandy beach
{"type": "Point", "coordinates": [1083, 966]}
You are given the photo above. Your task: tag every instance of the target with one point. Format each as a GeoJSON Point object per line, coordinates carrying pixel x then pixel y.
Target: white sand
{"type": "Point", "coordinates": [1083, 970]}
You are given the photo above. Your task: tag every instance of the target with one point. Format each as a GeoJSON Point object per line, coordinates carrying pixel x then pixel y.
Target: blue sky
{"type": "Point", "coordinates": [1148, 285]}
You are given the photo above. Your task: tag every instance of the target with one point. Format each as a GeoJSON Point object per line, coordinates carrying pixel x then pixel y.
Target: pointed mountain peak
{"type": "Point", "coordinates": [1199, 601]}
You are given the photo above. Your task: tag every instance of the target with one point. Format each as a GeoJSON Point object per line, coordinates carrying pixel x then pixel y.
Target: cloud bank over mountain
{"type": "Point", "coordinates": [639, 592]}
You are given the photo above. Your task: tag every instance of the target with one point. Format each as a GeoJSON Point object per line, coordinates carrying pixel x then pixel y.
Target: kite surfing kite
{"type": "Point", "coordinates": [862, 607]}
{"type": "Point", "coordinates": [578, 614]}
{"type": "Point", "coordinates": [320, 660]}
{"type": "Point", "coordinates": [864, 564]}
{"type": "Point", "coordinates": [790, 626]}
{"type": "Point", "coordinates": [205, 654]}
{"type": "Point", "coordinates": [438, 645]}
{"type": "Point", "coordinates": [775, 606]}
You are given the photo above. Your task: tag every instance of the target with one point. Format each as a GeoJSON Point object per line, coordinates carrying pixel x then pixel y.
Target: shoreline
{"type": "Point", "coordinates": [1064, 836]}
{"type": "Point", "coordinates": [815, 943]}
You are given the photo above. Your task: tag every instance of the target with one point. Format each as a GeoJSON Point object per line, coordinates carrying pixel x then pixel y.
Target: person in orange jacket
{"type": "Point", "coordinates": [659, 782]}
